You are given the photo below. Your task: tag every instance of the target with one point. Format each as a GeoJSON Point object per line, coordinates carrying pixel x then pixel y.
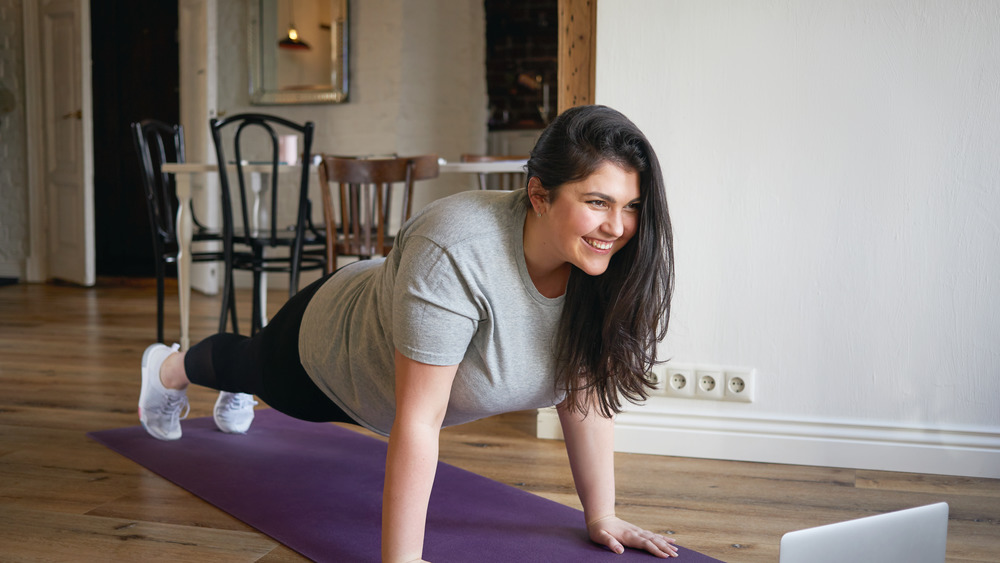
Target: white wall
{"type": "Point", "coordinates": [443, 104]}
{"type": "Point", "coordinates": [417, 85]}
{"type": "Point", "coordinates": [834, 184]}
{"type": "Point", "coordinates": [417, 82]}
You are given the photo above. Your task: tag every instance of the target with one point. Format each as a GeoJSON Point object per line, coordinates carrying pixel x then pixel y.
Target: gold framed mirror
{"type": "Point", "coordinates": [298, 51]}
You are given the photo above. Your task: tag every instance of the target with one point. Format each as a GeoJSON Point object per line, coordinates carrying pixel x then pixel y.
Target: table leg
{"type": "Point", "coordinates": [259, 182]}
{"type": "Point", "coordinates": [183, 186]}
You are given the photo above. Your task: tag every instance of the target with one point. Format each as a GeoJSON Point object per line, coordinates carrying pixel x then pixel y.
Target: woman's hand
{"type": "Point", "coordinates": [590, 445]}
{"type": "Point", "coordinates": [617, 534]}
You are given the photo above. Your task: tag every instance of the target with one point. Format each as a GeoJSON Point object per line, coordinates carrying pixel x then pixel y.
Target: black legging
{"type": "Point", "coordinates": [267, 365]}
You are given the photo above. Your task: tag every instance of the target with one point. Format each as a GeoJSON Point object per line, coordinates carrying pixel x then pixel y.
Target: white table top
{"type": "Point", "coordinates": [204, 167]}
{"type": "Point", "coordinates": [483, 167]}
{"type": "Point", "coordinates": [445, 166]}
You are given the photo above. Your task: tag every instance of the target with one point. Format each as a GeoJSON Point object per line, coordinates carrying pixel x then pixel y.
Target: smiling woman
{"type": "Point", "coordinates": [625, 308]}
{"type": "Point", "coordinates": [489, 302]}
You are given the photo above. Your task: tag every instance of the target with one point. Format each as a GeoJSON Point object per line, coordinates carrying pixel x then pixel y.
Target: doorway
{"type": "Point", "coordinates": [522, 53]}
{"type": "Point", "coordinates": [135, 76]}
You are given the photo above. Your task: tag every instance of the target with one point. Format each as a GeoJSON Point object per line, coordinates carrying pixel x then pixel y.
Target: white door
{"type": "Point", "coordinates": [66, 164]}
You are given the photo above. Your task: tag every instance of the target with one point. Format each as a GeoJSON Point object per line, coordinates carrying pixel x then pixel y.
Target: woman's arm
{"type": "Point", "coordinates": [590, 446]}
{"type": "Point", "coordinates": [422, 393]}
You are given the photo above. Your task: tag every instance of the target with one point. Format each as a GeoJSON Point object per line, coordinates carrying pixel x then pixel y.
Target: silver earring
{"type": "Point", "coordinates": [538, 213]}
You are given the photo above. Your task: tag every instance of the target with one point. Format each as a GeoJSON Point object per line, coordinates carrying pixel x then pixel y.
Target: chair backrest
{"type": "Point", "coordinates": [156, 143]}
{"type": "Point", "coordinates": [265, 150]}
{"type": "Point", "coordinates": [364, 197]}
{"type": "Point", "coordinates": [504, 180]}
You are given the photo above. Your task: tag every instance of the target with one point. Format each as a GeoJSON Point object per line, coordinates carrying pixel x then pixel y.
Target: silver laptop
{"type": "Point", "coordinates": [915, 535]}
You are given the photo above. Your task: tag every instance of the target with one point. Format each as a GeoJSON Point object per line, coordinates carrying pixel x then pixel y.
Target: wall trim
{"type": "Point", "coordinates": [955, 450]}
{"type": "Point", "coordinates": [11, 270]}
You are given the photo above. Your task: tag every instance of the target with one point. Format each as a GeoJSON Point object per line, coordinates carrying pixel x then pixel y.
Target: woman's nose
{"type": "Point", "coordinates": [615, 224]}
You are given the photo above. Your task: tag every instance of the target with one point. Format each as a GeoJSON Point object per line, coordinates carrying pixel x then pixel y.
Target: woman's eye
{"type": "Point", "coordinates": [634, 206]}
{"type": "Point", "coordinates": [598, 203]}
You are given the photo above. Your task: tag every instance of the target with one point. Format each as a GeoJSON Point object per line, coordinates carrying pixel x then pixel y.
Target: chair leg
{"type": "Point", "coordinates": [293, 276]}
{"type": "Point", "coordinates": [255, 310]}
{"type": "Point", "coordinates": [229, 306]}
{"type": "Point", "coordinates": [255, 320]}
{"type": "Point", "coordinates": [228, 298]}
{"type": "Point", "coordinates": [232, 306]}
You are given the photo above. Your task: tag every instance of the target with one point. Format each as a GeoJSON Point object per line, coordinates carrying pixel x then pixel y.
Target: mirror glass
{"type": "Point", "coordinates": [298, 51]}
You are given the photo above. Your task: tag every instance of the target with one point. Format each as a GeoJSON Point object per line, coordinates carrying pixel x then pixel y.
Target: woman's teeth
{"type": "Point", "coordinates": [600, 244]}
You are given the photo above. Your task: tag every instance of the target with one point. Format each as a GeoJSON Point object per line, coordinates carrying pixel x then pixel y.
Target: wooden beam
{"type": "Point", "coordinates": [577, 40]}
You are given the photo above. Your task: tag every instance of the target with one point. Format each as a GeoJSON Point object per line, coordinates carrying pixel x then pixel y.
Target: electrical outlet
{"type": "Point", "coordinates": [678, 381]}
{"type": "Point", "coordinates": [659, 376]}
{"type": "Point", "coordinates": [709, 384]}
{"type": "Point", "coordinates": [705, 381]}
{"type": "Point", "coordinates": [740, 385]}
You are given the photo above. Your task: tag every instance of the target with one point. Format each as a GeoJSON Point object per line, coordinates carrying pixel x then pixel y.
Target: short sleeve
{"type": "Point", "coordinates": [434, 310]}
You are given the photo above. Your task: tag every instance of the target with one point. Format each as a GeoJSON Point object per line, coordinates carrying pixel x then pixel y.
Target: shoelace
{"type": "Point", "coordinates": [174, 405]}
{"type": "Point", "coordinates": [238, 401]}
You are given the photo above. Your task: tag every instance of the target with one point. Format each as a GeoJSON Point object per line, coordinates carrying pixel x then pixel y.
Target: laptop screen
{"type": "Point", "coordinates": [915, 535]}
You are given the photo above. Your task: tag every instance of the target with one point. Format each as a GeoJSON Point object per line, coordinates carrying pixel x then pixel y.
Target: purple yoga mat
{"type": "Point", "coordinates": [317, 488]}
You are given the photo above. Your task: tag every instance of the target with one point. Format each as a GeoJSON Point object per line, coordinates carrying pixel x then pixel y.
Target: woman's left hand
{"type": "Point", "coordinates": [617, 534]}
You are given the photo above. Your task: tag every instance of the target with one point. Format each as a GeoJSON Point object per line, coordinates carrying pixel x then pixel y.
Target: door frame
{"type": "Point", "coordinates": [197, 23]}
{"type": "Point", "coordinates": [577, 53]}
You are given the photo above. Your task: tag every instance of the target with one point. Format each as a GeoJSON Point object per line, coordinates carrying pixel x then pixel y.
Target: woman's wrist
{"type": "Point", "coordinates": [591, 522]}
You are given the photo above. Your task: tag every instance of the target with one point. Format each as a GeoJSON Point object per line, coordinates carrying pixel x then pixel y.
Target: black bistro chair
{"type": "Point", "coordinates": [157, 143]}
{"type": "Point", "coordinates": [254, 142]}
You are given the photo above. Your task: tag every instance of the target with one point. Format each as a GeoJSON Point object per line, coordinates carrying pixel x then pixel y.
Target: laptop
{"type": "Point", "coordinates": [914, 535]}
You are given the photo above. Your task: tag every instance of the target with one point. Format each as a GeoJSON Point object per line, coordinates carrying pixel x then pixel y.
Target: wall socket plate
{"type": "Point", "coordinates": [705, 381]}
{"type": "Point", "coordinates": [673, 380]}
{"type": "Point", "coordinates": [710, 383]}
{"type": "Point", "coordinates": [740, 386]}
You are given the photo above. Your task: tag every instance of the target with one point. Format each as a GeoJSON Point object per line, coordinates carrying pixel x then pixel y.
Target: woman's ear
{"type": "Point", "coordinates": [538, 195]}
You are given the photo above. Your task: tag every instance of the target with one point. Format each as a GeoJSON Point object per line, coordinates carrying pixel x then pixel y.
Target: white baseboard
{"type": "Point", "coordinates": [12, 270]}
{"type": "Point", "coordinates": [969, 452]}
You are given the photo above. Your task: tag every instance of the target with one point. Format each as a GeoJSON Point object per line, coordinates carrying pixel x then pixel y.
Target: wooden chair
{"type": "Point", "coordinates": [157, 143]}
{"type": "Point", "coordinates": [358, 224]}
{"type": "Point", "coordinates": [260, 229]}
{"type": "Point", "coordinates": [505, 180]}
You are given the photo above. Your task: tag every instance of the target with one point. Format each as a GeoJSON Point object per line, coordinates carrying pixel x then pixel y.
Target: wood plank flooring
{"type": "Point", "coordinates": [69, 362]}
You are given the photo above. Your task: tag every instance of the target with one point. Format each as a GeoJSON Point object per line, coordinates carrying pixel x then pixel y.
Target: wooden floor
{"type": "Point", "coordinates": [69, 363]}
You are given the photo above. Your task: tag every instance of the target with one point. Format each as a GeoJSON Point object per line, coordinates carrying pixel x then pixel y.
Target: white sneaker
{"type": "Point", "coordinates": [160, 408]}
{"type": "Point", "coordinates": [233, 412]}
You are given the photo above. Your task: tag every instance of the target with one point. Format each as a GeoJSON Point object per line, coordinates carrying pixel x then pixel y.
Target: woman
{"type": "Point", "coordinates": [489, 302]}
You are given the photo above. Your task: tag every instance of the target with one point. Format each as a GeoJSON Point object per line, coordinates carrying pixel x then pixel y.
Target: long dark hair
{"type": "Point", "coordinates": [610, 323]}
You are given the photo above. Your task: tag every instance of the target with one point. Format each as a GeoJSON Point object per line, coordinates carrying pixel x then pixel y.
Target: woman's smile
{"type": "Point", "coordinates": [600, 244]}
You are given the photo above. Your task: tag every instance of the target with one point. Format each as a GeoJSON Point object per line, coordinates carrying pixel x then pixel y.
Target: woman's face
{"type": "Point", "coordinates": [587, 221]}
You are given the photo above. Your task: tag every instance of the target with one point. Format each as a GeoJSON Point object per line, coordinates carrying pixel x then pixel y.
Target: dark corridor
{"type": "Point", "coordinates": [135, 76]}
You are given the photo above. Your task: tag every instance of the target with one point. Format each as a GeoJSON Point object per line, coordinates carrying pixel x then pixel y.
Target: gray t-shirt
{"type": "Point", "coordinates": [454, 290]}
